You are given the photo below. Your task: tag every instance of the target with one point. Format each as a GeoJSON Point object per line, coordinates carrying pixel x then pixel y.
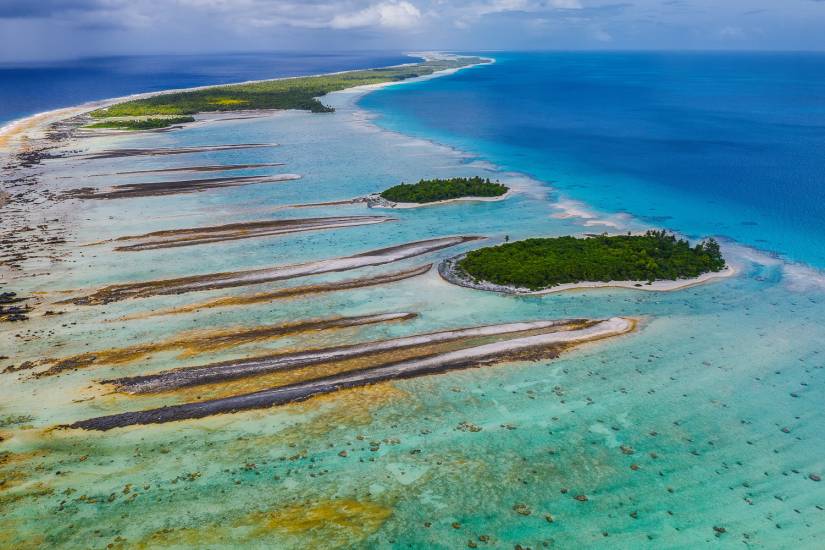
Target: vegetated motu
{"type": "Point", "coordinates": [142, 124]}
{"type": "Point", "coordinates": [288, 93]}
{"type": "Point", "coordinates": [444, 189]}
{"type": "Point", "coordinates": [537, 264]}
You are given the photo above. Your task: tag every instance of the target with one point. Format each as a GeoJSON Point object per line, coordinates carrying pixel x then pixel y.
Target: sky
{"type": "Point", "coordinates": [58, 29]}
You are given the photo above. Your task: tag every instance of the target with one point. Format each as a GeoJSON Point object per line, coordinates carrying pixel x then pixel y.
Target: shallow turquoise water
{"type": "Point", "coordinates": [699, 395]}
{"type": "Point", "coordinates": [704, 143]}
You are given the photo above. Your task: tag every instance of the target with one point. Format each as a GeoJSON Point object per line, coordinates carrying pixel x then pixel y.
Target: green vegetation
{"type": "Point", "coordinates": [542, 263]}
{"type": "Point", "coordinates": [142, 123]}
{"type": "Point", "coordinates": [439, 190]}
{"type": "Point", "coordinates": [289, 93]}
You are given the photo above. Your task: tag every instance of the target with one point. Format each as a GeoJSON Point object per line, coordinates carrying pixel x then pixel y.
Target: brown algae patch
{"type": "Point", "coordinates": [172, 238]}
{"type": "Point", "coordinates": [162, 188]}
{"type": "Point", "coordinates": [325, 523]}
{"type": "Point", "coordinates": [231, 279]}
{"type": "Point", "coordinates": [199, 341]}
{"type": "Point", "coordinates": [284, 293]}
{"type": "Point", "coordinates": [336, 521]}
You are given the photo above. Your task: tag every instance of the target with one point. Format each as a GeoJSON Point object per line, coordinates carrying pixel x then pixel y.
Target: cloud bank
{"type": "Point", "coordinates": [61, 28]}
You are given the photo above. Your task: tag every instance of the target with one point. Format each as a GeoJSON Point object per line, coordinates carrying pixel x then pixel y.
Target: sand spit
{"type": "Point", "coordinates": [230, 370]}
{"type": "Point", "coordinates": [550, 344]}
{"type": "Point", "coordinates": [160, 188]}
{"type": "Point", "coordinates": [448, 271]}
{"type": "Point", "coordinates": [206, 168]}
{"type": "Point", "coordinates": [320, 204]}
{"type": "Point", "coordinates": [196, 342]}
{"type": "Point", "coordinates": [230, 279]}
{"type": "Point", "coordinates": [163, 151]}
{"type": "Point", "coordinates": [201, 235]}
{"type": "Point", "coordinates": [289, 292]}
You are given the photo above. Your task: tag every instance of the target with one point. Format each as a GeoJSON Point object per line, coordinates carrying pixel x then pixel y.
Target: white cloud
{"type": "Point", "coordinates": [731, 32]}
{"type": "Point", "coordinates": [567, 4]}
{"type": "Point", "coordinates": [601, 35]}
{"type": "Point", "coordinates": [393, 15]}
{"type": "Point", "coordinates": [470, 12]}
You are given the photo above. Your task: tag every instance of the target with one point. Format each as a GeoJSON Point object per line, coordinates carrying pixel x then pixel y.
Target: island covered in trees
{"type": "Point", "coordinates": [541, 263]}
{"type": "Point", "coordinates": [434, 190]}
{"type": "Point", "coordinates": [288, 93]}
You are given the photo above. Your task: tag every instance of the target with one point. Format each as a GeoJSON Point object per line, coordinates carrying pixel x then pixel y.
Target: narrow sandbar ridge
{"type": "Point", "coordinates": [162, 188]}
{"type": "Point", "coordinates": [461, 359]}
{"type": "Point", "coordinates": [229, 370]}
{"type": "Point", "coordinates": [164, 151]}
{"type": "Point", "coordinates": [288, 292]}
{"type": "Point", "coordinates": [172, 238]}
{"type": "Point", "coordinates": [212, 281]}
{"type": "Point", "coordinates": [205, 168]}
{"type": "Point", "coordinates": [204, 341]}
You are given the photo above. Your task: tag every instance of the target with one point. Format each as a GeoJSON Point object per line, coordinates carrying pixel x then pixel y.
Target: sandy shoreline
{"type": "Point", "coordinates": [25, 142]}
{"type": "Point", "coordinates": [376, 201]}
{"type": "Point", "coordinates": [18, 130]}
{"type": "Point", "coordinates": [447, 271]}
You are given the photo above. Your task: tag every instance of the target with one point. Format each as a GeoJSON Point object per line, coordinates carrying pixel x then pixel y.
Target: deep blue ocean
{"type": "Point", "coordinates": [728, 144]}
{"type": "Point", "coordinates": [26, 89]}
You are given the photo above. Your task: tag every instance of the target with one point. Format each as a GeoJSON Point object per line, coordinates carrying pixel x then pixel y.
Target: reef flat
{"type": "Point", "coordinates": [329, 389]}
{"type": "Point", "coordinates": [405, 369]}
{"type": "Point", "coordinates": [158, 189]}
{"type": "Point", "coordinates": [165, 151]}
{"type": "Point", "coordinates": [212, 281]}
{"type": "Point", "coordinates": [177, 378]}
{"type": "Point", "coordinates": [206, 168]}
{"type": "Point", "coordinates": [195, 342]}
{"type": "Point", "coordinates": [173, 238]}
{"type": "Point", "coordinates": [288, 292]}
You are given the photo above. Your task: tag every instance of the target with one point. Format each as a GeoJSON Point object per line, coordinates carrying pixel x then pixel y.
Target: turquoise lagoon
{"type": "Point", "coordinates": [702, 428]}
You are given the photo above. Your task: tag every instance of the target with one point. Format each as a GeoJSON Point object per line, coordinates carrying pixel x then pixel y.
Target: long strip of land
{"type": "Point", "coordinates": [205, 168]}
{"type": "Point", "coordinates": [161, 188]}
{"type": "Point", "coordinates": [164, 151]}
{"type": "Point", "coordinates": [230, 370]}
{"type": "Point", "coordinates": [195, 342]}
{"type": "Point", "coordinates": [552, 344]}
{"type": "Point", "coordinates": [287, 93]}
{"type": "Point", "coordinates": [212, 281]}
{"type": "Point", "coordinates": [288, 292]}
{"type": "Point", "coordinates": [173, 238]}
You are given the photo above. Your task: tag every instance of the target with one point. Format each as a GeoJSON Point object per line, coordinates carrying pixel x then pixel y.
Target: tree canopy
{"type": "Point", "coordinates": [287, 93]}
{"type": "Point", "coordinates": [542, 263]}
{"type": "Point", "coordinates": [443, 189]}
